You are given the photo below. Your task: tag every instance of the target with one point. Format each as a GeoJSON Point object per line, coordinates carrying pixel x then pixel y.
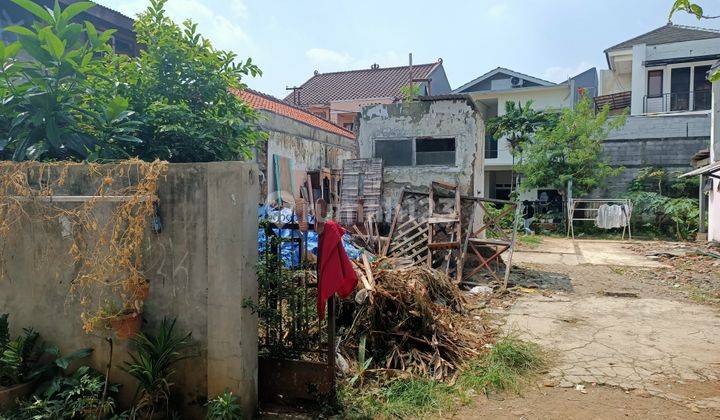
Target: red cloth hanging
{"type": "Point", "coordinates": [335, 271]}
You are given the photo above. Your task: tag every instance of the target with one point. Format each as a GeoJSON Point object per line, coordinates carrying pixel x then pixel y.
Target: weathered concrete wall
{"type": "Point", "coordinates": [311, 148]}
{"type": "Point", "coordinates": [201, 268]}
{"type": "Point", "coordinates": [668, 141]}
{"type": "Point", "coordinates": [437, 118]}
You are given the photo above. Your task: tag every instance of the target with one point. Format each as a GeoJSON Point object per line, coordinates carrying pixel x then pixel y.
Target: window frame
{"type": "Point", "coordinates": [414, 140]}
{"type": "Point", "coordinates": [662, 83]}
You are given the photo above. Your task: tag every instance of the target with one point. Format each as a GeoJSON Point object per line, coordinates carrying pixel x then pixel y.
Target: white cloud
{"type": "Point", "coordinates": [497, 10]}
{"type": "Point", "coordinates": [223, 32]}
{"type": "Point", "coordinates": [239, 8]}
{"type": "Point", "coordinates": [324, 56]}
{"type": "Point", "coordinates": [560, 74]}
{"type": "Point", "coordinates": [331, 60]}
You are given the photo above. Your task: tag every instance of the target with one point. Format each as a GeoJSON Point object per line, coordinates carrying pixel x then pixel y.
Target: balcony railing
{"type": "Point", "coordinates": [616, 101]}
{"type": "Point", "coordinates": [699, 100]}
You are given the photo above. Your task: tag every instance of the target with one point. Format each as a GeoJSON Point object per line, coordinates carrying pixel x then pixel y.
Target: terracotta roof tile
{"type": "Point", "coordinates": [359, 84]}
{"type": "Point", "coordinates": [269, 103]}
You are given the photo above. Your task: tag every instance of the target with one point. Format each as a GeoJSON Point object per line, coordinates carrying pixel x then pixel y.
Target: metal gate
{"type": "Point", "coordinates": [296, 361]}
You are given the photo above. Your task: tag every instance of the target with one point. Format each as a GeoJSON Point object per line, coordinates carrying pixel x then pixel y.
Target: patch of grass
{"type": "Point", "coordinates": [700, 296]}
{"type": "Point", "coordinates": [503, 368]}
{"type": "Point", "coordinates": [399, 398]}
{"type": "Point", "coordinates": [532, 241]}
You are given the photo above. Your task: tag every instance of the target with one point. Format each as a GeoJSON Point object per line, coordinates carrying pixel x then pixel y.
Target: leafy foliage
{"type": "Point", "coordinates": [18, 357]}
{"type": "Point", "coordinates": [570, 149]}
{"type": "Point", "coordinates": [184, 90]}
{"type": "Point", "coordinates": [153, 365]}
{"type": "Point", "coordinates": [518, 124]}
{"type": "Point", "coordinates": [78, 396]}
{"type": "Point", "coordinates": [665, 204]}
{"type": "Point", "coordinates": [51, 108]}
{"type": "Point", "coordinates": [224, 407]}
{"type": "Point", "coordinates": [67, 96]}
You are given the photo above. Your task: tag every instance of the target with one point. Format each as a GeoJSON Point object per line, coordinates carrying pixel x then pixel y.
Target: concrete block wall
{"type": "Point", "coordinates": [201, 269]}
{"type": "Point", "coordinates": [668, 141]}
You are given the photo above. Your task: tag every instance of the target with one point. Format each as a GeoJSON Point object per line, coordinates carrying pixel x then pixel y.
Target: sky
{"type": "Point", "coordinates": [290, 39]}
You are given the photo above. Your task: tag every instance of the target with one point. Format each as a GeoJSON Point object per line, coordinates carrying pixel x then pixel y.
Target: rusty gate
{"type": "Point", "coordinates": [296, 359]}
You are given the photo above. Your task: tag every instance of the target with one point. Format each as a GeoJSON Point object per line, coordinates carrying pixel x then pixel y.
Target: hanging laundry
{"type": "Point", "coordinates": [335, 272]}
{"type": "Point", "coordinates": [611, 216]}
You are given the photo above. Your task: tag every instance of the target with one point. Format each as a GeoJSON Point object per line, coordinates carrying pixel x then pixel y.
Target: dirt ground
{"type": "Point", "coordinates": [624, 329]}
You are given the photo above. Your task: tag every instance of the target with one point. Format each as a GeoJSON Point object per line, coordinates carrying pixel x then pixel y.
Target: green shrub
{"type": "Point", "coordinates": [152, 364]}
{"type": "Point", "coordinates": [664, 204]}
{"type": "Point", "coordinates": [78, 396]}
{"type": "Point", "coordinates": [224, 407]}
{"type": "Point", "coordinates": [67, 96]}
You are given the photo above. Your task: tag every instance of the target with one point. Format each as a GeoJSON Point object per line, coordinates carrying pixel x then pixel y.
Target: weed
{"type": "Point", "coordinates": [500, 369]}
{"type": "Point", "coordinates": [400, 398]}
{"type": "Point", "coordinates": [532, 241]}
{"type": "Point", "coordinates": [503, 367]}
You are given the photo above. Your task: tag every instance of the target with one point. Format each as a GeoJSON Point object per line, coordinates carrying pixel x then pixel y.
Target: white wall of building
{"type": "Point", "coordinates": [714, 200]}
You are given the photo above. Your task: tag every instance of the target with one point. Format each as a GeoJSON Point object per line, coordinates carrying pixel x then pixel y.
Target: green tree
{"type": "Point", "coordinates": [570, 150]}
{"type": "Point", "coordinates": [184, 90]}
{"type": "Point", "coordinates": [517, 125]}
{"type": "Point", "coordinates": [51, 109]}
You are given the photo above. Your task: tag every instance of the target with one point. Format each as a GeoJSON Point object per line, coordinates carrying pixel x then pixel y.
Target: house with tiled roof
{"type": "Point", "coordinates": [660, 79]}
{"type": "Point", "coordinates": [300, 145]}
{"type": "Point", "coordinates": [339, 96]}
{"type": "Point", "coordinates": [495, 88]}
{"type": "Point", "coordinates": [103, 18]}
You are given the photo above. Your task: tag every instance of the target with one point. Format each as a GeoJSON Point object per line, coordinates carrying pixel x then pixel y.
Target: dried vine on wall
{"type": "Point", "coordinates": [106, 243]}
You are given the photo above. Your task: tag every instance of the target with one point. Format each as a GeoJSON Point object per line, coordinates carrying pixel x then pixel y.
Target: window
{"type": "Point", "coordinates": [421, 151]}
{"type": "Point", "coordinates": [680, 89]}
{"type": "Point", "coordinates": [655, 84]}
{"type": "Point", "coordinates": [348, 126]}
{"type": "Point", "coordinates": [491, 147]}
{"type": "Point", "coordinates": [434, 151]}
{"type": "Point", "coordinates": [395, 152]}
{"type": "Point", "coordinates": [701, 88]}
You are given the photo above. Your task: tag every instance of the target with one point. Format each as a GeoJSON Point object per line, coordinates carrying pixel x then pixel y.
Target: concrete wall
{"type": "Point", "coordinates": [668, 141]}
{"type": "Point", "coordinates": [201, 268]}
{"type": "Point", "coordinates": [714, 195]}
{"type": "Point", "coordinates": [311, 148]}
{"type": "Point", "coordinates": [439, 84]}
{"type": "Point", "coordinates": [439, 118]}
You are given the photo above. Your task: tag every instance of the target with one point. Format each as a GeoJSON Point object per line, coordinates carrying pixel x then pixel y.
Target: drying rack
{"type": "Point", "coordinates": [573, 206]}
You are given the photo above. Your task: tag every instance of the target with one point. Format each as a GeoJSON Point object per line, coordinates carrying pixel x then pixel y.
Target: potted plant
{"type": "Point", "coordinates": [124, 321]}
{"type": "Point", "coordinates": [19, 358]}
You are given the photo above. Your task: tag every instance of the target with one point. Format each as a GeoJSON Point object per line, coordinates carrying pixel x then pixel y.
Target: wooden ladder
{"type": "Point", "coordinates": [449, 248]}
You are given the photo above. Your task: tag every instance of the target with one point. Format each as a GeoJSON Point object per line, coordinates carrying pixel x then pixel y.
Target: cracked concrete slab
{"type": "Point", "coordinates": [560, 251]}
{"type": "Point", "coordinates": [629, 343]}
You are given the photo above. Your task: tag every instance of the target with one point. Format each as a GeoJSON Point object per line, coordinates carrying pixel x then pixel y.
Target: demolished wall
{"type": "Point", "coordinates": [453, 117]}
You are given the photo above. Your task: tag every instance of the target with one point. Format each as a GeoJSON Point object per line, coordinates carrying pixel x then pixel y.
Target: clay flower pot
{"type": "Point", "coordinates": [127, 325]}
{"type": "Point", "coordinates": [10, 395]}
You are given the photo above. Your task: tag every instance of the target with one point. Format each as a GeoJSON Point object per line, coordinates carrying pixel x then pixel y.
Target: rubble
{"type": "Point", "coordinates": [412, 319]}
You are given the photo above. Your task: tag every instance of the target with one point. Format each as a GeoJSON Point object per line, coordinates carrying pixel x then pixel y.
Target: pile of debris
{"type": "Point", "coordinates": [407, 318]}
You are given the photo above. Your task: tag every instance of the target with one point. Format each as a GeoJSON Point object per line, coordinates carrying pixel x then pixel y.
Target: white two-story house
{"type": "Point", "coordinates": [493, 90]}
{"type": "Point", "coordinates": [660, 77]}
